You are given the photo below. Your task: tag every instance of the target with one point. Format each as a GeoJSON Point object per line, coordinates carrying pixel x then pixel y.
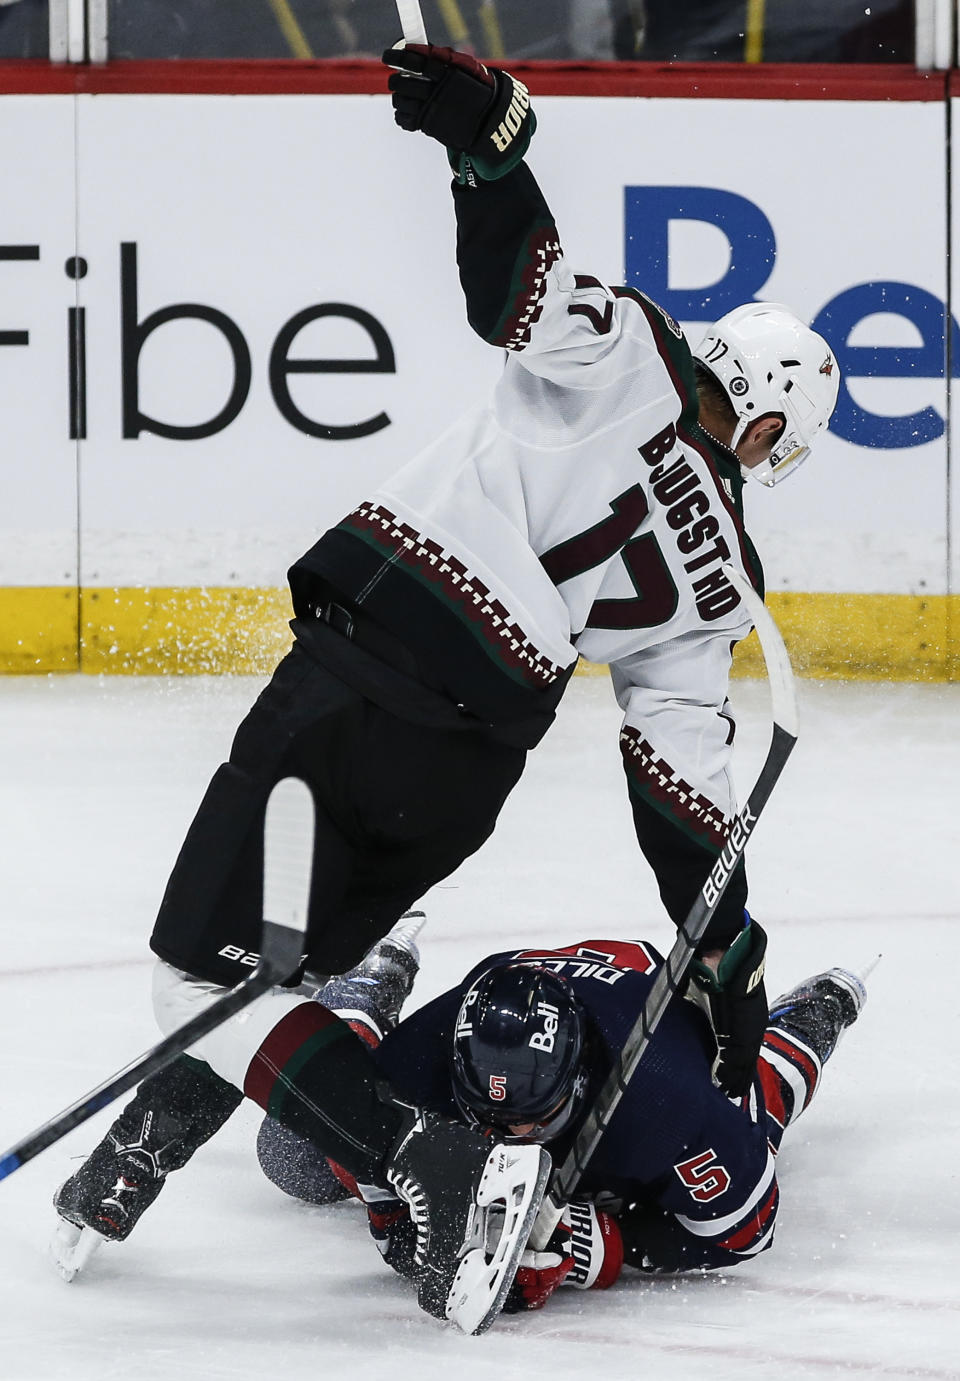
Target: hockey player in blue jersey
{"type": "Point", "coordinates": [684, 1178]}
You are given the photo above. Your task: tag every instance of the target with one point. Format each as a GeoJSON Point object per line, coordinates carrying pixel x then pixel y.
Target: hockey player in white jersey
{"type": "Point", "coordinates": [585, 510]}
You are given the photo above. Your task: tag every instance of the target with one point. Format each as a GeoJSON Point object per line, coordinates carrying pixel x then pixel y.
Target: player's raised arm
{"type": "Point", "coordinates": [519, 291]}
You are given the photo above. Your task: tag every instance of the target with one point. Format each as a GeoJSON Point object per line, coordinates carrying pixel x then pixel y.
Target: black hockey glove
{"type": "Point", "coordinates": [483, 117]}
{"type": "Point", "coordinates": [738, 1007]}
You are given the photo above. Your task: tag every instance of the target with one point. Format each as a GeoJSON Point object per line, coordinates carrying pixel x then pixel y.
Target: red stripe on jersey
{"type": "Point", "coordinates": [345, 1178]}
{"type": "Point", "coordinates": [281, 1044]}
{"type": "Point", "coordinates": [366, 1033]}
{"type": "Point", "coordinates": [618, 954]}
{"type": "Point", "coordinates": [772, 1092]}
{"type": "Point", "coordinates": [781, 1042]}
{"type": "Point", "coordinates": [755, 1226]}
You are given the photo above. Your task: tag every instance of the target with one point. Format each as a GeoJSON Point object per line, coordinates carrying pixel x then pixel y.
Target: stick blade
{"type": "Point", "coordinates": [411, 21]}
{"type": "Point", "coordinates": [783, 693]}
{"type": "Point", "coordinates": [288, 835]}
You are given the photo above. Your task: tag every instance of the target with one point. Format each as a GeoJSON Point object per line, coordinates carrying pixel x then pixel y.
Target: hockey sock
{"type": "Point", "coordinates": [313, 1074]}
{"type": "Point", "coordinates": [191, 1093]}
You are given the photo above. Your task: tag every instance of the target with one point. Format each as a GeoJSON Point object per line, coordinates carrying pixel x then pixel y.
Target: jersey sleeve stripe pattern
{"type": "Point", "coordinates": [754, 1235]}
{"type": "Point", "coordinates": [658, 783]}
{"type": "Point", "coordinates": [798, 1066]}
{"type": "Point", "coordinates": [525, 295]}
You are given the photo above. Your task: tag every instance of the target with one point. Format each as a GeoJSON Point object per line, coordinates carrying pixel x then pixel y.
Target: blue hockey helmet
{"type": "Point", "coordinates": [518, 1049]}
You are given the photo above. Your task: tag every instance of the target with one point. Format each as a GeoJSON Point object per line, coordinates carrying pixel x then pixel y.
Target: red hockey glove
{"type": "Point", "coordinates": [541, 1273]}
{"type": "Point", "coordinates": [586, 1251]}
{"type": "Point", "coordinates": [482, 116]}
{"type": "Point", "coordinates": [738, 1009]}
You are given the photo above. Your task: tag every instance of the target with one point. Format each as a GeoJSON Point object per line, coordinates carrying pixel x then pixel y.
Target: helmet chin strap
{"type": "Point", "coordinates": [725, 445]}
{"type": "Point", "coordinates": [738, 431]}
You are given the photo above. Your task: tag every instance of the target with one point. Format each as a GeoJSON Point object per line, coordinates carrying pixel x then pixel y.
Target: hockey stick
{"type": "Point", "coordinates": [670, 977]}
{"type": "Point", "coordinates": [411, 21]}
{"type": "Point", "coordinates": [287, 866]}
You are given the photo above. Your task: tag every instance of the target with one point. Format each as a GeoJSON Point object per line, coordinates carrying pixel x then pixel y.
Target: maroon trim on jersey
{"type": "Point", "coordinates": [288, 1038]}
{"type": "Point", "coordinates": [756, 1226]}
{"type": "Point", "coordinates": [540, 253]}
{"type": "Point", "coordinates": [464, 593]}
{"type": "Point", "coordinates": [658, 321]}
{"type": "Point", "coordinates": [730, 81]}
{"type": "Point", "coordinates": [800, 1058]}
{"type": "Point", "coordinates": [655, 778]}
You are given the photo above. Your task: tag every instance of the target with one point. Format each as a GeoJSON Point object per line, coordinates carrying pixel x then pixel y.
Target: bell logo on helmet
{"type": "Point", "coordinates": [520, 1063]}
{"type": "Point", "coordinates": [545, 1039]}
{"type": "Point", "coordinates": [464, 1027]}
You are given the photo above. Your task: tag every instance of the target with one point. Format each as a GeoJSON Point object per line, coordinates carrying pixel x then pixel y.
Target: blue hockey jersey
{"type": "Point", "coordinates": [675, 1142]}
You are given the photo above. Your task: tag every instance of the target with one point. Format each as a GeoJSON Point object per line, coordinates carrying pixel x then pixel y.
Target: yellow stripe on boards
{"type": "Point", "coordinates": [39, 629]}
{"type": "Point", "coordinates": [863, 637]}
{"type": "Point", "coordinates": [227, 629]}
{"type": "Point", "coordinates": [184, 631]}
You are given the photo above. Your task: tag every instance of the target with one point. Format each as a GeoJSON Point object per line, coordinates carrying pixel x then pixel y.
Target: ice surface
{"type": "Point", "coordinates": [226, 1278]}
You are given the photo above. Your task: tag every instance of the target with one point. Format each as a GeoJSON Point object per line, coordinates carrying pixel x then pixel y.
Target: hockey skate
{"type": "Point", "coordinates": [101, 1203]}
{"type": "Point", "coordinates": [174, 1112]}
{"type": "Point", "coordinates": [820, 1009]}
{"type": "Point", "coordinates": [380, 984]}
{"type": "Point", "coordinates": [473, 1204]}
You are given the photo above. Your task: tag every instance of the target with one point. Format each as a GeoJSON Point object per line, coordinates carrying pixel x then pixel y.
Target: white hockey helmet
{"type": "Point", "coordinates": [768, 362]}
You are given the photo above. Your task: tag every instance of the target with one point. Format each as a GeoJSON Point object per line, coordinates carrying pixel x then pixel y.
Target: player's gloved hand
{"type": "Point", "coordinates": [483, 117]}
{"type": "Point", "coordinates": [585, 1251]}
{"type": "Point", "coordinates": [540, 1273]}
{"type": "Point", "coordinates": [738, 1006]}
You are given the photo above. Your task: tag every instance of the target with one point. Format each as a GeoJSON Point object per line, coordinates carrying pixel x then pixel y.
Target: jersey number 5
{"type": "Point", "coordinates": [703, 1176]}
{"type": "Point", "coordinates": [656, 599]}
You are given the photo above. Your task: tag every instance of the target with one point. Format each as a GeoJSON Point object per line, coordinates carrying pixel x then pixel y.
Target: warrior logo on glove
{"type": "Point", "coordinates": [482, 116]}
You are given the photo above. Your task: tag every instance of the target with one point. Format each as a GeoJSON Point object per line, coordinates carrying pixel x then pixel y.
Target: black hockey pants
{"type": "Point", "coordinates": [399, 806]}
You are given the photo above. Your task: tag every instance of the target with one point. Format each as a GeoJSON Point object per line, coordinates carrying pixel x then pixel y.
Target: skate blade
{"type": "Point", "coordinates": [407, 929]}
{"type": "Point", "coordinates": [71, 1248]}
{"type": "Point", "coordinates": [865, 970]}
{"type": "Point", "coordinates": [515, 1179]}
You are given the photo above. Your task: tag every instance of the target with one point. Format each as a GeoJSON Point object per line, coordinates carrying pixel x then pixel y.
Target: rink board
{"type": "Point", "coordinates": [265, 320]}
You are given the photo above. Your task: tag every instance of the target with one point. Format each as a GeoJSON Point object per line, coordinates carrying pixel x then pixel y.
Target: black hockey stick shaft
{"type": "Point", "coordinates": [288, 856]}
{"type": "Point", "coordinates": [670, 977]}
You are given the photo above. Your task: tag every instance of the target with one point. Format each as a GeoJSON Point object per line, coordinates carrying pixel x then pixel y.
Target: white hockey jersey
{"type": "Point", "coordinates": [580, 512]}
